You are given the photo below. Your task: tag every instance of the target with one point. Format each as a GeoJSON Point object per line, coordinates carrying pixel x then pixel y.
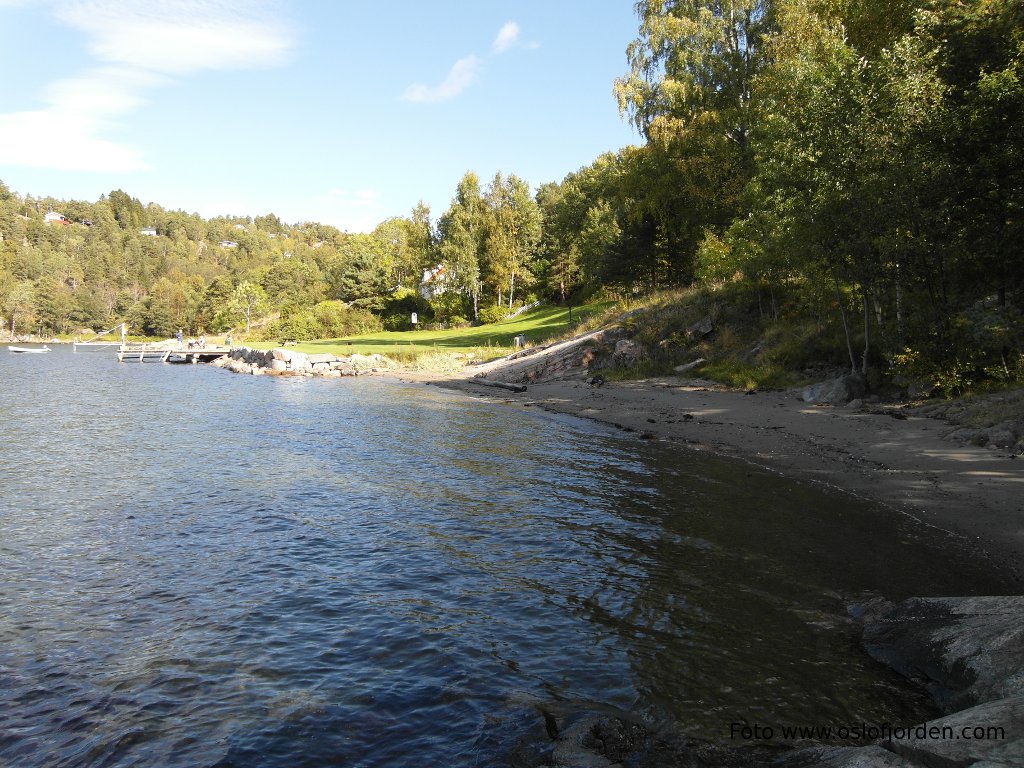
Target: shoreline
{"type": "Point", "coordinates": [885, 456]}
{"type": "Point", "coordinates": [965, 652]}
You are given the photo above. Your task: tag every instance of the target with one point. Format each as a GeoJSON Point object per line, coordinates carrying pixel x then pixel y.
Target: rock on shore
{"type": "Point", "coordinates": [290, 362]}
{"type": "Point", "coordinates": [969, 652]}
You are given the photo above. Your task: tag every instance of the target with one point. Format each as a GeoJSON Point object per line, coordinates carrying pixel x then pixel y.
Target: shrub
{"type": "Point", "coordinates": [493, 314]}
{"type": "Point", "coordinates": [448, 305]}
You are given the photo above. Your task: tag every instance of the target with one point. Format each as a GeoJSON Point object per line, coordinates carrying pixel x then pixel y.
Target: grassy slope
{"type": "Point", "coordinates": [484, 341]}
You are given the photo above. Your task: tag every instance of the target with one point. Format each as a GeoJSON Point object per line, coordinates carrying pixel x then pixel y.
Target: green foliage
{"type": "Point", "coordinates": [326, 320]}
{"type": "Point", "coordinates": [397, 310]}
{"type": "Point", "coordinates": [851, 171]}
{"type": "Point", "coordinates": [493, 314]}
{"type": "Point", "coordinates": [447, 306]}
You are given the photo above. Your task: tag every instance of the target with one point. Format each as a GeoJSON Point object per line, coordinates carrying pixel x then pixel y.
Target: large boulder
{"type": "Point", "coordinates": [701, 328]}
{"type": "Point", "coordinates": [628, 351]}
{"type": "Point", "coordinates": [836, 391]}
{"type": "Point", "coordinates": [987, 735]}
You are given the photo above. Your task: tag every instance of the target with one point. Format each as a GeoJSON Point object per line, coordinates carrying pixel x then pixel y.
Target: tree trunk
{"type": "Point", "coordinates": [511, 288]}
{"type": "Point", "coordinates": [899, 309]}
{"type": "Point", "coordinates": [867, 334]}
{"type": "Point", "coordinates": [846, 325]}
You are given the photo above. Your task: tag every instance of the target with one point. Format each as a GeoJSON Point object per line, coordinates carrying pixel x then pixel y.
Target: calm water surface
{"type": "Point", "coordinates": [204, 569]}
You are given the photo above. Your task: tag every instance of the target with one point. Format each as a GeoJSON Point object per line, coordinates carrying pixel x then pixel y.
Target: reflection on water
{"type": "Point", "coordinates": [205, 569]}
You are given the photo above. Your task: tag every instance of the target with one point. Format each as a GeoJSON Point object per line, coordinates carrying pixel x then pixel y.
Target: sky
{"type": "Point", "coordinates": [345, 112]}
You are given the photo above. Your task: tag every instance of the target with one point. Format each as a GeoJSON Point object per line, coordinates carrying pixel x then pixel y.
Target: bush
{"type": "Point", "coordinates": [327, 320]}
{"type": "Point", "coordinates": [493, 314]}
{"type": "Point", "coordinates": [448, 305]}
{"type": "Point", "coordinates": [297, 324]}
{"type": "Point", "coordinates": [335, 319]}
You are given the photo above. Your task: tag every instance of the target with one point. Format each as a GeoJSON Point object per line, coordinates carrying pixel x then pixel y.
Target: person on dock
{"type": "Point", "coordinates": [202, 341]}
{"type": "Point", "coordinates": [180, 336]}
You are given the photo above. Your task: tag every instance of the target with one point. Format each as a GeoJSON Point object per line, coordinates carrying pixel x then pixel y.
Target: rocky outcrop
{"type": "Point", "coordinates": [289, 362]}
{"type": "Point", "coordinates": [589, 352]}
{"type": "Point", "coordinates": [994, 421]}
{"type": "Point", "coordinates": [969, 652]}
{"type": "Point", "coordinates": [590, 735]}
{"type": "Point", "coordinates": [966, 650]}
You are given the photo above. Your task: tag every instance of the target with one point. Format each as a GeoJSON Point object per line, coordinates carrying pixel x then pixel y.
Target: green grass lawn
{"type": "Point", "coordinates": [484, 341]}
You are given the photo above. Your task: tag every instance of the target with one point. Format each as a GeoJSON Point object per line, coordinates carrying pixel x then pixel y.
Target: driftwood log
{"type": "Point", "coordinates": [501, 385]}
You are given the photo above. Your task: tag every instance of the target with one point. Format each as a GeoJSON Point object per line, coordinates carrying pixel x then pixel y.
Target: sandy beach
{"type": "Point", "coordinates": [886, 454]}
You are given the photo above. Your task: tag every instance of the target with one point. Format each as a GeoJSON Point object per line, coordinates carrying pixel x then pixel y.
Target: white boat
{"type": "Point", "coordinates": [30, 350]}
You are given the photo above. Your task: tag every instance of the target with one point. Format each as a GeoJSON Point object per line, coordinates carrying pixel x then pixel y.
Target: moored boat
{"type": "Point", "coordinates": [30, 350]}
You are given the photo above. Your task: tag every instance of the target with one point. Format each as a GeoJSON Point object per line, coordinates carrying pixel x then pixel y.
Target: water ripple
{"type": "Point", "coordinates": [202, 569]}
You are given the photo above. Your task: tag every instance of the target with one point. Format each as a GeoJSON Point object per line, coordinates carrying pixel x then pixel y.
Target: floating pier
{"type": "Point", "coordinates": [168, 354]}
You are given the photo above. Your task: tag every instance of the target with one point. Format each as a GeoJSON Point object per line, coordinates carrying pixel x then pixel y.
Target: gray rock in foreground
{"type": "Point", "coordinates": [836, 391]}
{"type": "Point", "coordinates": [967, 650]}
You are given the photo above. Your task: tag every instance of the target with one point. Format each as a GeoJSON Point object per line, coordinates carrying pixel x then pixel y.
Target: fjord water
{"type": "Point", "coordinates": [204, 569]}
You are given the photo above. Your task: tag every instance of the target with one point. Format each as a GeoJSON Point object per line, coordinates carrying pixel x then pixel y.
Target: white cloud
{"type": "Point", "coordinates": [462, 75]}
{"type": "Point", "coordinates": [178, 36]}
{"type": "Point", "coordinates": [66, 135]}
{"type": "Point", "coordinates": [50, 139]}
{"type": "Point", "coordinates": [140, 44]}
{"type": "Point", "coordinates": [507, 38]}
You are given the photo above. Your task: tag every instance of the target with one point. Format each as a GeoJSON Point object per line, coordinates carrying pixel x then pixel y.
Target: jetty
{"type": "Point", "coordinates": [163, 353]}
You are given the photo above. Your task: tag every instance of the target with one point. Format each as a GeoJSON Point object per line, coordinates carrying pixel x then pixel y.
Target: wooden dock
{"type": "Point", "coordinates": [141, 353]}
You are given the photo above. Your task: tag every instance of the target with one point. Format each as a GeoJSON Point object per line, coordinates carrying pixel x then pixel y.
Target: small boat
{"type": "Point", "coordinates": [30, 350]}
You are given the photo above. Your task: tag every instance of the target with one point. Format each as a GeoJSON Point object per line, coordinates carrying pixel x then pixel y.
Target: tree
{"type": "Point", "coordinates": [690, 90]}
{"type": "Point", "coordinates": [840, 157]}
{"type": "Point", "coordinates": [127, 210]}
{"type": "Point", "coordinates": [17, 297]}
{"type": "Point", "coordinates": [361, 269]}
{"type": "Point", "coordinates": [513, 235]}
{"type": "Point", "coordinates": [418, 247]}
{"type": "Point", "coordinates": [291, 282]}
{"type": "Point", "coordinates": [693, 67]}
{"type": "Point", "coordinates": [248, 300]}
{"type": "Point", "coordinates": [460, 240]}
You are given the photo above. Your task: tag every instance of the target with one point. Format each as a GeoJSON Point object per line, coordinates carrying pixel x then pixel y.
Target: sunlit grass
{"type": "Point", "coordinates": [483, 342]}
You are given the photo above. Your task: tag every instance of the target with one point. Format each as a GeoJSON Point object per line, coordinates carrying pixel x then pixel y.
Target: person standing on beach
{"type": "Point", "coordinates": [180, 336]}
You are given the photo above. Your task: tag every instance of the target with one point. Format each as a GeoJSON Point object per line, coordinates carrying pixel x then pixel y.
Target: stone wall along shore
{"type": "Point", "coordinates": [289, 362]}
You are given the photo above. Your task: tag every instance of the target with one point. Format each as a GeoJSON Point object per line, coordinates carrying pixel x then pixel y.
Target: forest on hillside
{"type": "Point", "coordinates": [857, 163]}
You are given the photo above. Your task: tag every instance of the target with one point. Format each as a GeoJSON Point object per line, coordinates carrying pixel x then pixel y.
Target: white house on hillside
{"type": "Point", "coordinates": [148, 231]}
{"type": "Point", "coordinates": [433, 282]}
{"type": "Point", "coordinates": [52, 217]}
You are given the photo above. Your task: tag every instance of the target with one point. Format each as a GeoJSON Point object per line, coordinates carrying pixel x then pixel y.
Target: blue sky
{"type": "Point", "coordinates": [345, 112]}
